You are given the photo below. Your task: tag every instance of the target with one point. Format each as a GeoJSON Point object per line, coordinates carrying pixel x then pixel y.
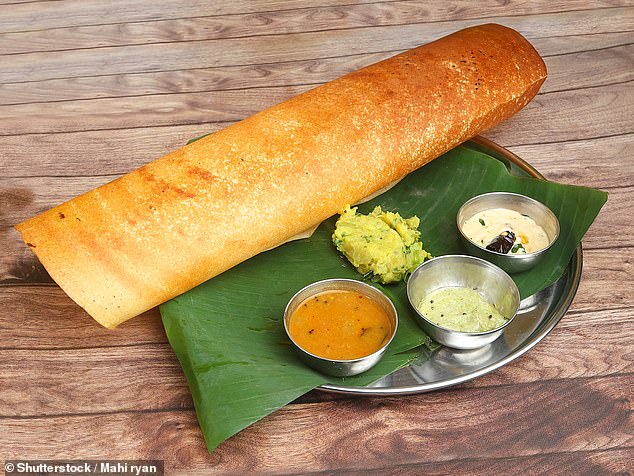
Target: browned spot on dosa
{"type": "Point", "coordinates": [201, 173]}
{"type": "Point", "coordinates": [162, 185]}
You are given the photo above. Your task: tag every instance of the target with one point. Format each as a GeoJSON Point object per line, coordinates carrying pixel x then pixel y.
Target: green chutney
{"type": "Point", "coordinates": [461, 309]}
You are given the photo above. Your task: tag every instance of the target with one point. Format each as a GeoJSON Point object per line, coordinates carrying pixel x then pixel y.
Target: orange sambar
{"type": "Point", "coordinates": [340, 325]}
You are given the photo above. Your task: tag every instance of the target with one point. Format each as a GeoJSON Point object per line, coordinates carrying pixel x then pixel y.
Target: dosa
{"type": "Point", "coordinates": [176, 222]}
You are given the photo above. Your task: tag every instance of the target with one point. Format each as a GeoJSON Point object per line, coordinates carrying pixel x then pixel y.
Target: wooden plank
{"type": "Point", "coordinates": [13, 2]}
{"type": "Point", "coordinates": [599, 163]}
{"type": "Point", "coordinates": [548, 117]}
{"type": "Point", "coordinates": [67, 325]}
{"type": "Point", "coordinates": [611, 62]}
{"type": "Point", "coordinates": [94, 152]}
{"type": "Point", "coordinates": [139, 377]}
{"type": "Point", "coordinates": [258, 75]}
{"type": "Point", "coordinates": [73, 13]}
{"type": "Point", "coordinates": [591, 463]}
{"type": "Point", "coordinates": [62, 380]}
{"type": "Point", "coordinates": [58, 345]}
{"type": "Point", "coordinates": [570, 115]}
{"type": "Point", "coordinates": [51, 320]}
{"type": "Point", "coordinates": [606, 280]}
{"type": "Point", "coordinates": [142, 111]}
{"type": "Point", "coordinates": [610, 224]}
{"type": "Point", "coordinates": [569, 351]}
{"type": "Point", "coordinates": [589, 68]}
{"type": "Point", "coordinates": [275, 48]}
{"type": "Point", "coordinates": [549, 418]}
{"type": "Point", "coordinates": [291, 73]}
{"type": "Point", "coordinates": [596, 163]}
{"type": "Point", "coordinates": [295, 20]}
{"type": "Point", "coordinates": [79, 14]}
{"type": "Point", "coordinates": [559, 45]}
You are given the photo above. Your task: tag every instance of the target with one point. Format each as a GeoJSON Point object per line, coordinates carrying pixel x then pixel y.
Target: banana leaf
{"type": "Point", "coordinates": [228, 335]}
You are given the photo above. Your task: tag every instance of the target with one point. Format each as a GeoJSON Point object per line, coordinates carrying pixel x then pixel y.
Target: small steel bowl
{"type": "Point", "coordinates": [452, 271]}
{"type": "Point", "coordinates": [511, 263]}
{"type": "Point", "coordinates": [341, 368]}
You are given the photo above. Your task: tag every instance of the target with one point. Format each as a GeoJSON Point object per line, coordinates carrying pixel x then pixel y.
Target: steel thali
{"type": "Point", "coordinates": [538, 316]}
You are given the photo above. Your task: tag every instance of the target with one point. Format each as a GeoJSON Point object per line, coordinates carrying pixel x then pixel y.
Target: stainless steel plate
{"type": "Point", "coordinates": [538, 315]}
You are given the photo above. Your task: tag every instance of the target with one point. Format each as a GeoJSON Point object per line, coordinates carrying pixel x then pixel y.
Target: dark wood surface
{"type": "Point", "coordinates": [92, 89]}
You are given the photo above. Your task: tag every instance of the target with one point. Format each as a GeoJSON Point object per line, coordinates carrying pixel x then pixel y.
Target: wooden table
{"type": "Point", "coordinates": [91, 89]}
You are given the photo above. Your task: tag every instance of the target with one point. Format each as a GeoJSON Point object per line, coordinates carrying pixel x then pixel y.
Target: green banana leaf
{"type": "Point", "coordinates": [227, 333]}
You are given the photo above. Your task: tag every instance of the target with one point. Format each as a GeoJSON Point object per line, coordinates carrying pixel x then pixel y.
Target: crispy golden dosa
{"type": "Point", "coordinates": [158, 231]}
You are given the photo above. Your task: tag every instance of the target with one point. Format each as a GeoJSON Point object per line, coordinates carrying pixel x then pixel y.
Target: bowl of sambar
{"type": "Point", "coordinates": [340, 327]}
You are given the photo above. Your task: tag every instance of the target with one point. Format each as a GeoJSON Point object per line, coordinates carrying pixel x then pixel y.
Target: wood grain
{"type": "Point", "coordinates": [600, 163]}
{"type": "Point", "coordinates": [571, 71]}
{"type": "Point", "coordinates": [559, 116]}
{"type": "Point", "coordinates": [142, 111]}
{"type": "Point", "coordinates": [275, 14]}
{"type": "Point", "coordinates": [606, 279]}
{"type": "Point", "coordinates": [540, 121]}
{"type": "Point", "coordinates": [605, 287]}
{"type": "Point", "coordinates": [66, 154]}
{"type": "Point", "coordinates": [287, 73]}
{"type": "Point", "coordinates": [148, 377]}
{"type": "Point", "coordinates": [584, 344]}
{"type": "Point", "coordinates": [293, 73]}
{"type": "Point", "coordinates": [225, 105]}
{"type": "Point", "coordinates": [73, 13]}
{"type": "Point", "coordinates": [582, 463]}
{"type": "Point", "coordinates": [91, 89]}
{"type": "Point", "coordinates": [62, 371]}
{"type": "Point", "coordinates": [552, 417]}
{"type": "Point", "coordinates": [275, 48]}
{"type": "Point", "coordinates": [296, 20]}
{"type": "Point", "coordinates": [65, 324]}
{"type": "Point", "coordinates": [93, 152]}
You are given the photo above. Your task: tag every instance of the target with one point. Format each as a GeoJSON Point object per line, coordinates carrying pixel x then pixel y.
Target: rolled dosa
{"type": "Point", "coordinates": [174, 223]}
